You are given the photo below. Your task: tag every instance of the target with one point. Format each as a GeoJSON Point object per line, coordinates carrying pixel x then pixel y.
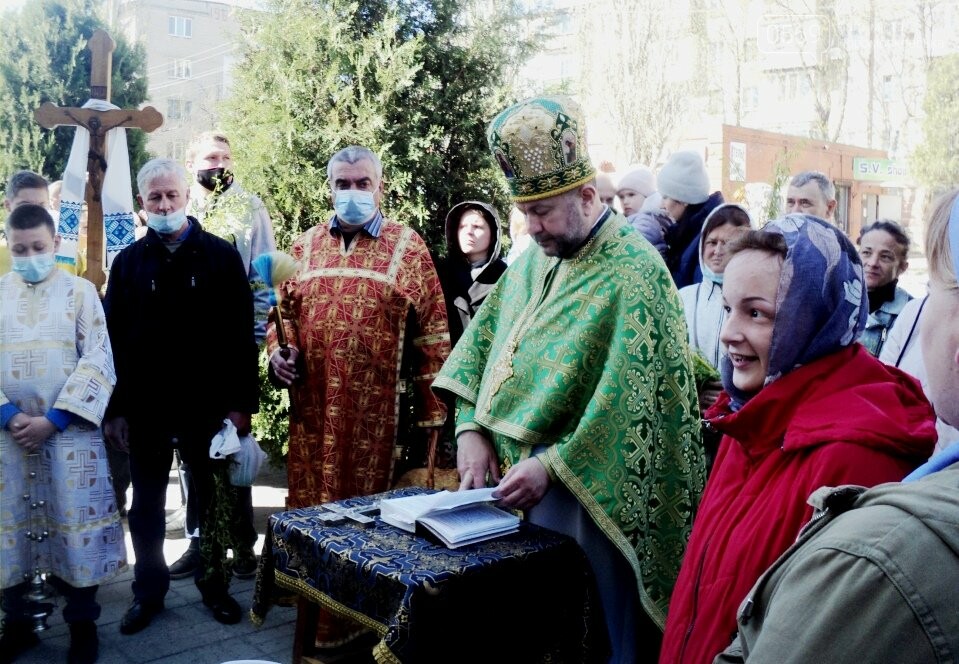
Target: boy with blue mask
{"type": "Point", "coordinates": [32, 249]}
{"type": "Point", "coordinates": [56, 382]}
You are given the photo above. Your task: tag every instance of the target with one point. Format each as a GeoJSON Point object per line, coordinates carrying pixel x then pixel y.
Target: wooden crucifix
{"type": "Point", "coordinates": [98, 123]}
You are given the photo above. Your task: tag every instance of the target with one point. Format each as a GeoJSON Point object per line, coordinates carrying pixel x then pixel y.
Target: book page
{"type": "Point", "coordinates": [410, 508]}
{"type": "Point", "coordinates": [451, 499]}
{"type": "Point", "coordinates": [470, 521]}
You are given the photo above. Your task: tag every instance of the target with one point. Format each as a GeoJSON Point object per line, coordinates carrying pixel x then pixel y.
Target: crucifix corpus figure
{"type": "Point", "coordinates": [97, 119]}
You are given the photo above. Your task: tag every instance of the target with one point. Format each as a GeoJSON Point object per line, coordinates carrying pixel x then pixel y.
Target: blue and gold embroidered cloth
{"type": "Point", "coordinates": [433, 604]}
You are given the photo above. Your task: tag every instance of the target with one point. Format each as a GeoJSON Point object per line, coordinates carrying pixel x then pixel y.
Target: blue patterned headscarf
{"type": "Point", "coordinates": [821, 303]}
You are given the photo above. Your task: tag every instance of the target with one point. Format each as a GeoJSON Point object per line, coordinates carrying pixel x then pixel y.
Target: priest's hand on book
{"type": "Point", "coordinates": [475, 460]}
{"type": "Point", "coordinates": [523, 486]}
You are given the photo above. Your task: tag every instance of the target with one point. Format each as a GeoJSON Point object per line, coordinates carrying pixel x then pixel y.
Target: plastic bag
{"type": "Point", "coordinates": [245, 464]}
{"type": "Point", "coordinates": [225, 442]}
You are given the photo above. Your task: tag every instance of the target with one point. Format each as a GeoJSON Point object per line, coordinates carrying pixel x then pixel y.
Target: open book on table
{"type": "Point", "coordinates": [457, 518]}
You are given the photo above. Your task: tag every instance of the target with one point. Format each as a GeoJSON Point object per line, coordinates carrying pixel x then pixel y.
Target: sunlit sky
{"type": "Point", "coordinates": [16, 4]}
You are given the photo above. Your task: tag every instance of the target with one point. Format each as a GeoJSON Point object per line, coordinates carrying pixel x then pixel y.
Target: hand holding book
{"type": "Point", "coordinates": [456, 518]}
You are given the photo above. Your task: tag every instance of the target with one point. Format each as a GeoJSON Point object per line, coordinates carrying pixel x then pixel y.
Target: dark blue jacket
{"type": "Point", "coordinates": [682, 241]}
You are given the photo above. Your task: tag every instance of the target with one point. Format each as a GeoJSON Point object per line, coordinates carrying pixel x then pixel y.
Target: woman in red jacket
{"type": "Point", "coordinates": [803, 406]}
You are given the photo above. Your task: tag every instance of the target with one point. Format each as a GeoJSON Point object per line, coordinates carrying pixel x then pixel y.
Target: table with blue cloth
{"type": "Point", "coordinates": [525, 597]}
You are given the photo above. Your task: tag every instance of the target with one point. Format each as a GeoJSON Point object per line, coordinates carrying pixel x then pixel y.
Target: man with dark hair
{"type": "Point", "coordinates": [25, 187]}
{"type": "Point", "coordinates": [228, 211]}
{"type": "Point", "coordinates": [180, 314]}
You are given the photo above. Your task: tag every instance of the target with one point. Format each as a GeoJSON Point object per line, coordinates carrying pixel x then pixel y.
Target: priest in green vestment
{"type": "Point", "coordinates": [574, 386]}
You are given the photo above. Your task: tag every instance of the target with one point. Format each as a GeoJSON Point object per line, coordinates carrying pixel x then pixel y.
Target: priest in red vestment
{"type": "Point", "coordinates": [365, 284]}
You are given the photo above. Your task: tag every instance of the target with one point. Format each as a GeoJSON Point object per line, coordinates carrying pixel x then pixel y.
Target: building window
{"type": "Point", "coordinates": [179, 109]}
{"type": "Point", "coordinates": [563, 23]}
{"type": "Point", "coordinates": [181, 69]}
{"type": "Point", "coordinates": [176, 150]}
{"type": "Point", "coordinates": [750, 99]}
{"type": "Point", "coordinates": [791, 85]}
{"type": "Point", "coordinates": [888, 88]}
{"type": "Point", "coordinates": [180, 26]}
{"type": "Point", "coordinates": [716, 53]}
{"type": "Point", "coordinates": [892, 30]}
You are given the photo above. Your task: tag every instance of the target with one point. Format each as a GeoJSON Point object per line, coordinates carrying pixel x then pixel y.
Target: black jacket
{"type": "Point", "coordinates": [181, 326]}
{"type": "Point", "coordinates": [682, 241]}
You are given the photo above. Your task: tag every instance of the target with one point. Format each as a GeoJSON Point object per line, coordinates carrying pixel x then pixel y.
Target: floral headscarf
{"type": "Point", "coordinates": [821, 303]}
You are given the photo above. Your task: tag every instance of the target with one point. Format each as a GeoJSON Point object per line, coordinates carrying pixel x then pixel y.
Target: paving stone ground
{"type": "Point", "coordinates": [185, 633]}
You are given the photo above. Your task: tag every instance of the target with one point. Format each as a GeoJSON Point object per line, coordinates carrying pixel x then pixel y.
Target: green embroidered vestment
{"type": "Point", "coordinates": [589, 356]}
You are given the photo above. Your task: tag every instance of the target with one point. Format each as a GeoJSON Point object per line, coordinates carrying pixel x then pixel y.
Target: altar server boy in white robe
{"type": "Point", "coordinates": [58, 512]}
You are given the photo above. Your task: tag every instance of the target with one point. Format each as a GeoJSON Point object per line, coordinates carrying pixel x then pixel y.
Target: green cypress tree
{"type": "Point", "coordinates": [936, 159]}
{"type": "Point", "coordinates": [43, 58]}
{"type": "Point", "coordinates": [416, 81]}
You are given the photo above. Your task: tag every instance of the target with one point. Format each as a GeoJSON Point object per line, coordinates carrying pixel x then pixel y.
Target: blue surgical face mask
{"type": "Point", "coordinates": [712, 276]}
{"type": "Point", "coordinates": [34, 269]}
{"type": "Point", "coordinates": [167, 224]}
{"type": "Point", "coordinates": [354, 206]}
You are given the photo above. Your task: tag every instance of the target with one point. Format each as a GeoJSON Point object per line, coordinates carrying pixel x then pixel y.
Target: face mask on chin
{"type": "Point", "coordinates": [354, 206]}
{"type": "Point", "coordinates": [34, 269]}
{"type": "Point", "coordinates": [214, 179]}
{"type": "Point", "coordinates": [167, 224]}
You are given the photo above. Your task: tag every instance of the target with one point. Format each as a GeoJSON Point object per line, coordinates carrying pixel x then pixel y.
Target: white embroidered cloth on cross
{"type": "Point", "coordinates": [116, 194]}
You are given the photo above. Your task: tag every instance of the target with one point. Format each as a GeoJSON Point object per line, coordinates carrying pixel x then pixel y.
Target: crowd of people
{"type": "Point", "coordinates": [566, 372]}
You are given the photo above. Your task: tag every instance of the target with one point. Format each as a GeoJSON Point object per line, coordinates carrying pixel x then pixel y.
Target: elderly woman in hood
{"type": "Point", "coordinates": [804, 405]}
{"type": "Point", "coordinates": [703, 302]}
{"type": "Point", "coordinates": [473, 261]}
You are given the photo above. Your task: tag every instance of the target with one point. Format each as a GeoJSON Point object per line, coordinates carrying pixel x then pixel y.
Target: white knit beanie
{"type": "Point", "coordinates": [653, 203]}
{"type": "Point", "coordinates": [683, 178]}
{"type": "Point", "coordinates": [640, 179]}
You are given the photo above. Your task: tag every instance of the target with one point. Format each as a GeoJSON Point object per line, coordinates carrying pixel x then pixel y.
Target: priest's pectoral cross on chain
{"type": "Point", "coordinates": [98, 123]}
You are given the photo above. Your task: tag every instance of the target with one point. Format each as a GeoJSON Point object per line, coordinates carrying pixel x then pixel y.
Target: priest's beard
{"type": "Point", "coordinates": [565, 243]}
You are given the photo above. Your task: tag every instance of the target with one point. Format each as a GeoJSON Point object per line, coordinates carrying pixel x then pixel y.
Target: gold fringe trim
{"type": "Point", "coordinates": [383, 655]}
{"type": "Point", "coordinates": [324, 600]}
{"type": "Point", "coordinates": [381, 652]}
{"type": "Point", "coordinates": [554, 192]}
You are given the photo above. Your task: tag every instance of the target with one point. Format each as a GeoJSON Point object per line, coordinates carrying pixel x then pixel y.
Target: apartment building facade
{"type": "Point", "coordinates": [190, 49]}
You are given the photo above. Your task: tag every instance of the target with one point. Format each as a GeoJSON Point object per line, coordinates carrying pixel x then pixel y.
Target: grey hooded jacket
{"type": "Point", "coordinates": [872, 579]}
